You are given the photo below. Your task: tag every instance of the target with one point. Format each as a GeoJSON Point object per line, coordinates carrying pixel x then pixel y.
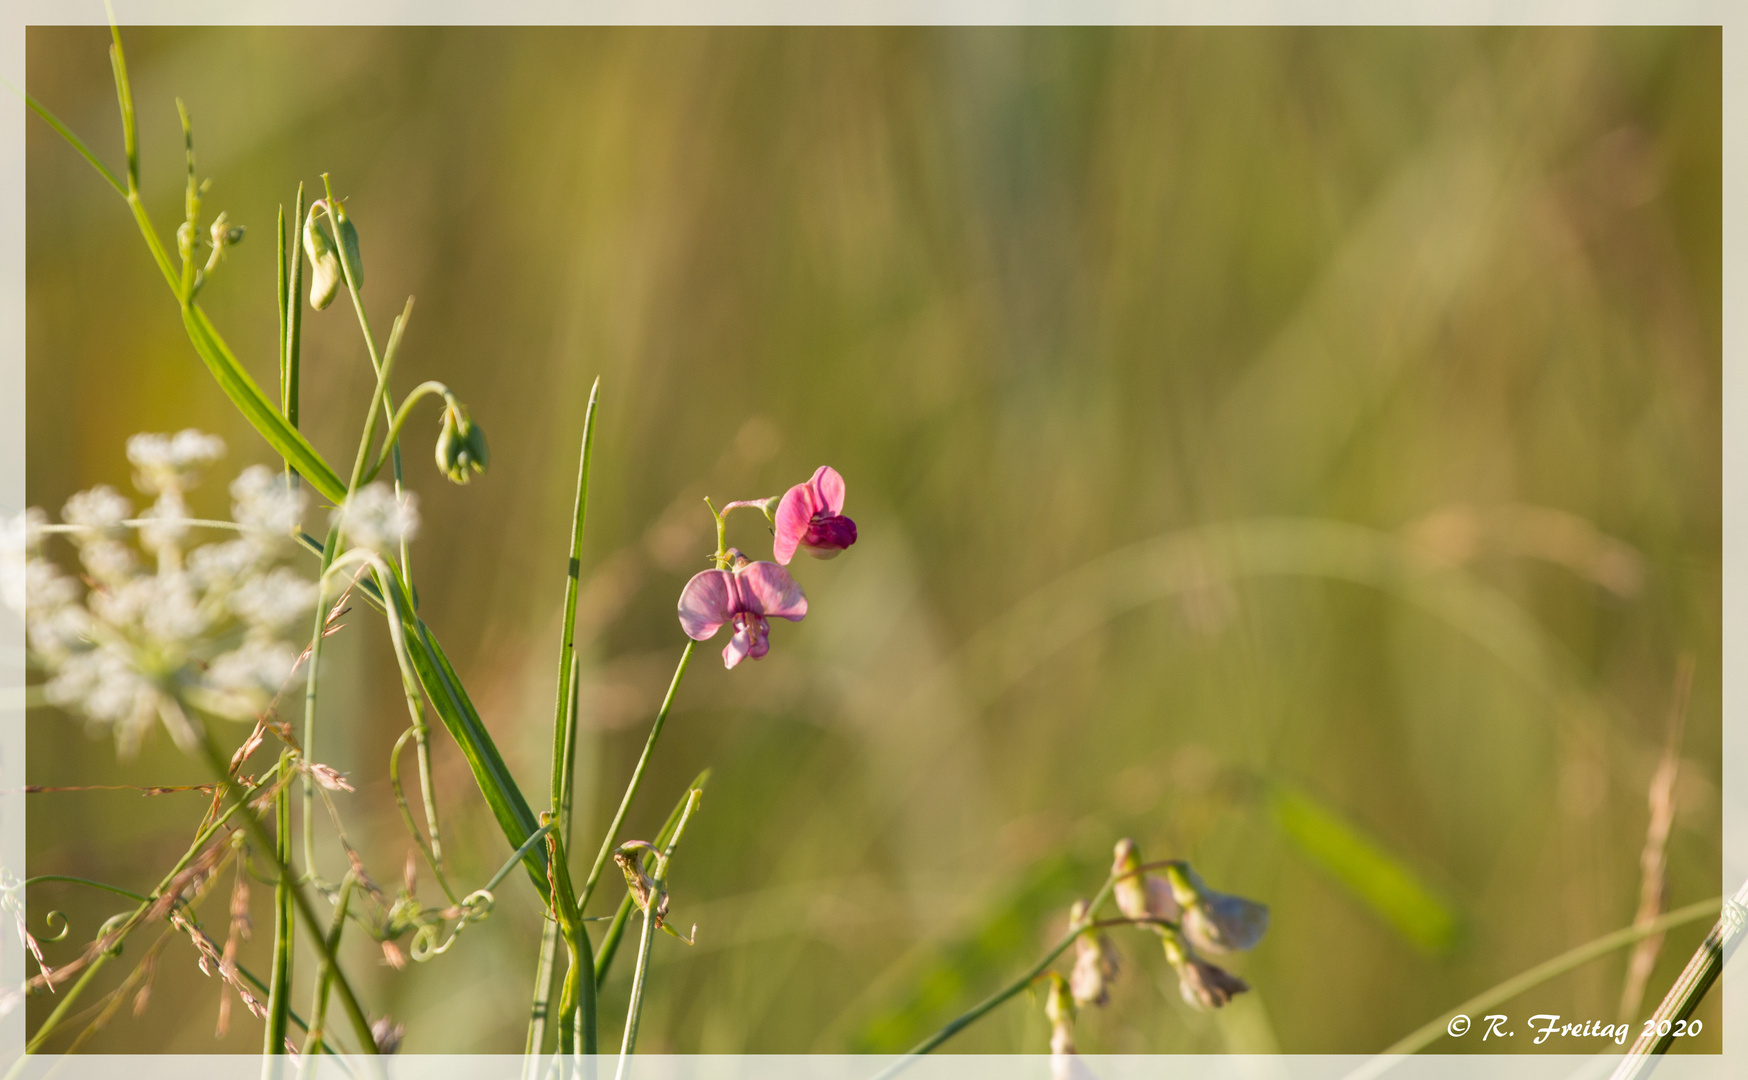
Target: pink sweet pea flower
{"type": "Point", "coordinates": [811, 516]}
{"type": "Point", "coordinates": [744, 596]}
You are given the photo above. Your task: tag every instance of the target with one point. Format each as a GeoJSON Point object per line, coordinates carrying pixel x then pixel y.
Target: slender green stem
{"type": "Point", "coordinates": [616, 929]}
{"type": "Point", "coordinates": [983, 1007]}
{"type": "Point", "coordinates": [655, 731]}
{"type": "Point", "coordinates": [82, 881]}
{"type": "Point", "coordinates": [1689, 990]}
{"type": "Point", "coordinates": [284, 929]}
{"type": "Point", "coordinates": [399, 418]}
{"type": "Point", "coordinates": [291, 317]}
{"type": "Point", "coordinates": [325, 980]}
{"type": "Point", "coordinates": [312, 678]}
{"type": "Point", "coordinates": [394, 780]}
{"type": "Point", "coordinates": [377, 399]}
{"type": "Point", "coordinates": [564, 721]}
{"type": "Point", "coordinates": [639, 979]}
{"type": "Point", "coordinates": [629, 1044]}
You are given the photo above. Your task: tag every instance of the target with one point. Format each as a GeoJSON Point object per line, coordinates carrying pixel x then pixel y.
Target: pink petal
{"type": "Point", "coordinates": [828, 489]}
{"type": "Point", "coordinates": [706, 603]}
{"type": "Point", "coordinates": [767, 589]}
{"type": "Point", "coordinates": [736, 650]}
{"type": "Point", "coordinates": [794, 513]}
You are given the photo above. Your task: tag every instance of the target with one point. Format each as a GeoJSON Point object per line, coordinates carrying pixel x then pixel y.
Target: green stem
{"type": "Point", "coordinates": [394, 780]}
{"type": "Point", "coordinates": [82, 881]}
{"type": "Point", "coordinates": [629, 1044]}
{"type": "Point", "coordinates": [655, 731]}
{"type": "Point", "coordinates": [325, 980]}
{"type": "Point", "coordinates": [291, 307]}
{"type": "Point", "coordinates": [399, 418]}
{"type": "Point", "coordinates": [564, 721]}
{"type": "Point", "coordinates": [577, 999]}
{"type": "Point", "coordinates": [311, 680]}
{"type": "Point", "coordinates": [989, 1003]}
{"type": "Point", "coordinates": [279, 992]}
{"type": "Point", "coordinates": [616, 929]}
{"type": "Point", "coordinates": [639, 979]}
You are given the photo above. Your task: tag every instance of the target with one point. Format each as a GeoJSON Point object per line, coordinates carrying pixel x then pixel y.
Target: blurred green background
{"type": "Point", "coordinates": [1296, 449]}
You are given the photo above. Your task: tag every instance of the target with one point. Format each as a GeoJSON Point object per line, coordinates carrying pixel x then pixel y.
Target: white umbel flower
{"type": "Point", "coordinates": [374, 518]}
{"type": "Point", "coordinates": [172, 462]}
{"type": "Point", "coordinates": [193, 632]}
{"type": "Point", "coordinates": [264, 501]}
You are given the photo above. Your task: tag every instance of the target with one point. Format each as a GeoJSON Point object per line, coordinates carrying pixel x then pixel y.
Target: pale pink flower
{"type": "Point", "coordinates": [811, 516]}
{"type": "Point", "coordinates": [745, 597]}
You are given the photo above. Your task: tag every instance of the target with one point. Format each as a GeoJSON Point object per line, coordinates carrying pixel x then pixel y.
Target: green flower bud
{"type": "Point", "coordinates": [349, 238]}
{"type": "Point", "coordinates": [461, 446]}
{"type": "Point", "coordinates": [325, 272]}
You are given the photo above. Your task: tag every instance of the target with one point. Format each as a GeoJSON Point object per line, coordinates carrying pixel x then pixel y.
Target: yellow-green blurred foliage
{"type": "Point", "coordinates": [1409, 322]}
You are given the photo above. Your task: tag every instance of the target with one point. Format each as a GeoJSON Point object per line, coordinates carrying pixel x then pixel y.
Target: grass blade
{"type": "Point", "coordinates": [1376, 878]}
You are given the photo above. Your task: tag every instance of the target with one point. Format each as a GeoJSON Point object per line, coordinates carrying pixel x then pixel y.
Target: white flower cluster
{"type": "Point", "coordinates": [374, 518]}
{"type": "Point", "coordinates": [146, 640]}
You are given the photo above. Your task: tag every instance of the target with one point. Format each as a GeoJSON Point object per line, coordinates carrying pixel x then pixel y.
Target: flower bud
{"type": "Point", "coordinates": [1203, 985]}
{"type": "Point", "coordinates": [325, 272]}
{"type": "Point", "coordinates": [461, 447]}
{"type": "Point", "coordinates": [224, 234]}
{"type": "Point", "coordinates": [1095, 963]}
{"type": "Point", "coordinates": [1059, 1009]}
{"type": "Point", "coordinates": [1138, 895]}
{"type": "Point", "coordinates": [1216, 922]}
{"type": "Point", "coordinates": [349, 240]}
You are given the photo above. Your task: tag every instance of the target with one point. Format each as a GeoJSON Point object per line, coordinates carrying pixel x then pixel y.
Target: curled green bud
{"type": "Point", "coordinates": [461, 446]}
{"type": "Point", "coordinates": [325, 272]}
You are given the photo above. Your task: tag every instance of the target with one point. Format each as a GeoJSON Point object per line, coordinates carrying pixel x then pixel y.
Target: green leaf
{"type": "Point", "coordinates": [1361, 864]}
{"type": "Point", "coordinates": [253, 404]}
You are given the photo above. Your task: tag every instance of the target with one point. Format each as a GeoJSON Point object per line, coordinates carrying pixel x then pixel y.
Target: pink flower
{"type": "Point", "coordinates": [811, 516]}
{"type": "Point", "coordinates": [744, 596]}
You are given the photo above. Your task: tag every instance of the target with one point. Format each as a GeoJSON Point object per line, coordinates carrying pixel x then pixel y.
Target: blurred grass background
{"type": "Point", "coordinates": [1297, 449]}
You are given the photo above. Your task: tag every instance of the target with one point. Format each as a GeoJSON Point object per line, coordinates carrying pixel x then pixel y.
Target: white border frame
{"type": "Point", "coordinates": [1733, 1062]}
